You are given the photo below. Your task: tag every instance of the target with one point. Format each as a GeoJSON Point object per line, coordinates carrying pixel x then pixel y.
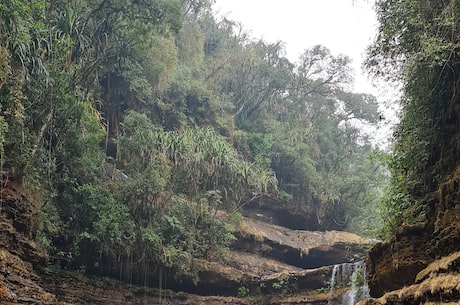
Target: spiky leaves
{"type": "Point", "coordinates": [201, 161]}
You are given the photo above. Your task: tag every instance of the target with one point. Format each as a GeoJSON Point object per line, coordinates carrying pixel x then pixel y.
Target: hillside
{"type": "Point", "coordinates": [267, 261]}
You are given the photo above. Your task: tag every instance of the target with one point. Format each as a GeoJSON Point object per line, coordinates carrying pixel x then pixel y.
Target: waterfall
{"type": "Point", "coordinates": [352, 277]}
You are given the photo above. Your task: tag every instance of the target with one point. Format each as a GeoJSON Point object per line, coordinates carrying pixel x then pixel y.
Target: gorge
{"type": "Point", "coordinates": [151, 153]}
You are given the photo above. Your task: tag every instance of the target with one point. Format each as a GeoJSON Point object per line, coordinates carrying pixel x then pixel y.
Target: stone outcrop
{"type": "Point", "coordinates": [419, 265]}
{"type": "Point", "coordinates": [293, 215]}
{"type": "Point", "coordinates": [265, 255]}
{"type": "Point", "coordinates": [19, 283]}
{"type": "Point", "coordinates": [438, 283]}
{"type": "Point", "coordinates": [304, 249]}
{"type": "Point", "coordinates": [394, 264]}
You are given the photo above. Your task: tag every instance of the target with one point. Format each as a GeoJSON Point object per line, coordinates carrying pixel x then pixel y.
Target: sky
{"type": "Point", "coordinates": [343, 26]}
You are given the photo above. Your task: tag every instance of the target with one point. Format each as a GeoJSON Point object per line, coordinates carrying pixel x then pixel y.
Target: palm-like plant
{"type": "Point", "coordinates": [201, 159]}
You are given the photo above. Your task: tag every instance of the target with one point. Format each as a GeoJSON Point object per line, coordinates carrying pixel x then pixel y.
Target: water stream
{"type": "Point", "coordinates": [351, 277]}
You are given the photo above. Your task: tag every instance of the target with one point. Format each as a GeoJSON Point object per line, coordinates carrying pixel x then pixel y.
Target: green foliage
{"type": "Point", "coordinates": [201, 160]}
{"type": "Point", "coordinates": [48, 219]}
{"type": "Point", "coordinates": [282, 286]}
{"type": "Point", "coordinates": [78, 128]}
{"type": "Point", "coordinates": [413, 34]}
{"type": "Point", "coordinates": [243, 292]}
{"type": "Point", "coordinates": [260, 146]}
{"type": "Point", "coordinates": [138, 122]}
{"type": "Point", "coordinates": [416, 45]}
{"type": "Point", "coordinates": [3, 133]}
{"type": "Point", "coordinates": [47, 226]}
{"type": "Point", "coordinates": [396, 206]}
{"type": "Point", "coordinates": [99, 218]}
{"type": "Point", "coordinates": [363, 190]}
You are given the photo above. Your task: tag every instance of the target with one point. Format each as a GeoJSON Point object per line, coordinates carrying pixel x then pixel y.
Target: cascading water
{"type": "Point", "coordinates": [351, 276]}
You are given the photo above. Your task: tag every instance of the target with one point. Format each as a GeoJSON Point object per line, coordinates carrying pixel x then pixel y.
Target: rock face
{"type": "Point", "coordinates": [18, 281]}
{"type": "Point", "coordinates": [292, 216]}
{"type": "Point", "coordinates": [282, 215]}
{"type": "Point", "coordinates": [395, 264]}
{"type": "Point", "coordinates": [419, 265]}
{"type": "Point", "coordinates": [438, 283]}
{"type": "Point", "coordinates": [268, 264]}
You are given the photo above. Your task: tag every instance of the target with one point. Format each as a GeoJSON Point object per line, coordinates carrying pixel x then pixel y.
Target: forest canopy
{"type": "Point", "coordinates": [146, 127]}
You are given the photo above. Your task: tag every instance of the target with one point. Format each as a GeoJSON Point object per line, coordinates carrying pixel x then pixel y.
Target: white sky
{"type": "Point", "coordinates": [343, 26]}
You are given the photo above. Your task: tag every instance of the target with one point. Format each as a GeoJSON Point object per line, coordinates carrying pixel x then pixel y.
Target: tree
{"type": "Point", "coordinates": [137, 121]}
{"type": "Point", "coordinates": [320, 139]}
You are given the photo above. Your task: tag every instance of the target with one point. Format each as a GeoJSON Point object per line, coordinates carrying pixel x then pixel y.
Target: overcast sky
{"type": "Point", "coordinates": [344, 26]}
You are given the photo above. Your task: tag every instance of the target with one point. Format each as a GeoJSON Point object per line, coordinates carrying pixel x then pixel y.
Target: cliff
{"type": "Point", "coordinates": [419, 264]}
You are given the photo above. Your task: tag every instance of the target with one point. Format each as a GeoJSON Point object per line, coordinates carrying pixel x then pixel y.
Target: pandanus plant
{"type": "Point", "coordinates": [201, 160]}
